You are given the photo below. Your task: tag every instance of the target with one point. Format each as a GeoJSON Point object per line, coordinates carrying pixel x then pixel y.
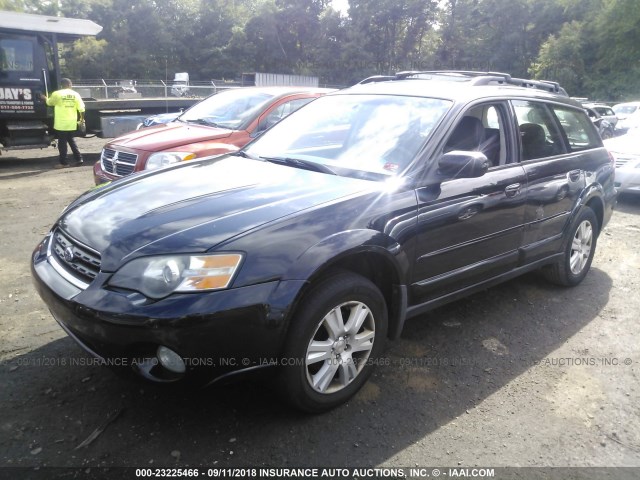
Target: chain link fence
{"type": "Point", "coordinates": [103, 89]}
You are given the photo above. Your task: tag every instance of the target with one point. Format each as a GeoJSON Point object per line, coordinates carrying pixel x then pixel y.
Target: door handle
{"type": "Point", "coordinates": [46, 86]}
{"type": "Point", "coordinates": [574, 175]}
{"type": "Point", "coordinates": [512, 190]}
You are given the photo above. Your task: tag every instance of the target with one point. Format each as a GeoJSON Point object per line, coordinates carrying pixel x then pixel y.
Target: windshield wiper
{"type": "Point", "coordinates": [242, 153]}
{"type": "Point", "coordinates": [208, 123]}
{"type": "Point", "coordinates": [299, 163]}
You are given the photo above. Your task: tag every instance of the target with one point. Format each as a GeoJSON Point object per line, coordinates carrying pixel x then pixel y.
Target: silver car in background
{"type": "Point", "coordinates": [628, 115]}
{"type": "Point", "coordinates": [626, 151]}
{"type": "Point", "coordinates": [605, 111]}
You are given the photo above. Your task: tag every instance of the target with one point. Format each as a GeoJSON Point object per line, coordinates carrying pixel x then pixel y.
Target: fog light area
{"type": "Point", "coordinates": [170, 360]}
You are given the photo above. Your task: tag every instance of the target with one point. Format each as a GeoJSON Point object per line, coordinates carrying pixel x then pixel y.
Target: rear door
{"type": "Point", "coordinates": [558, 156]}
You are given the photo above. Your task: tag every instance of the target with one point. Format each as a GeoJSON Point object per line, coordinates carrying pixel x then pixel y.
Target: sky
{"type": "Point", "coordinates": [341, 5]}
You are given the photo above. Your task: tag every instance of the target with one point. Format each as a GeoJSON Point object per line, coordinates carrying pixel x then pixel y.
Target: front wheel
{"type": "Point", "coordinates": [578, 251]}
{"type": "Point", "coordinates": [335, 335]}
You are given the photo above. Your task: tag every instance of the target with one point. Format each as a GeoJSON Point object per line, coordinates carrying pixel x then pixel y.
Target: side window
{"type": "Point", "coordinates": [593, 114]}
{"type": "Point", "coordinates": [281, 112]}
{"type": "Point", "coordinates": [539, 134]}
{"type": "Point", "coordinates": [16, 55]}
{"type": "Point", "coordinates": [604, 111]}
{"type": "Point", "coordinates": [578, 128]}
{"type": "Point", "coordinates": [482, 129]}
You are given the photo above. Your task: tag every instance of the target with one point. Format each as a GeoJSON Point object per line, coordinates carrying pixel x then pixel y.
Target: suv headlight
{"type": "Point", "coordinates": [157, 277]}
{"type": "Point", "coordinates": [162, 159]}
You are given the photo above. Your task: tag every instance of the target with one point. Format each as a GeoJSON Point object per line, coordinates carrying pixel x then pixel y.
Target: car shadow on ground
{"type": "Point", "coordinates": [446, 363]}
{"type": "Point", "coordinates": [28, 163]}
{"type": "Point", "coordinates": [12, 168]}
{"type": "Point", "coordinates": [628, 203]}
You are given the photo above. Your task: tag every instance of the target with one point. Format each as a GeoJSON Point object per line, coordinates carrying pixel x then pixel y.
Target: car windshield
{"type": "Point", "coordinates": [373, 136]}
{"type": "Point", "coordinates": [230, 109]}
{"type": "Point", "coordinates": [625, 109]}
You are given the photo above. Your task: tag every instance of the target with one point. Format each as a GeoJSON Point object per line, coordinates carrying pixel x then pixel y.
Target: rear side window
{"type": "Point", "coordinates": [578, 128]}
{"type": "Point", "coordinates": [604, 111]}
{"type": "Point", "coordinates": [539, 133]}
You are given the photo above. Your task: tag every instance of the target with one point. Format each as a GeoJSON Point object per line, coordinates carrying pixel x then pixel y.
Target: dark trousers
{"type": "Point", "coordinates": [65, 138]}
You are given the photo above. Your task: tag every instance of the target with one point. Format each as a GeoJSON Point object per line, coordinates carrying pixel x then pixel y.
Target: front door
{"type": "Point", "coordinates": [470, 229]}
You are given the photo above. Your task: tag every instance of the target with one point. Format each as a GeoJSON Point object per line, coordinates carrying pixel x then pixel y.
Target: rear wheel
{"type": "Point", "coordinates": [335, 334]}
{"type": "Point", "coordinates": [578, 252]}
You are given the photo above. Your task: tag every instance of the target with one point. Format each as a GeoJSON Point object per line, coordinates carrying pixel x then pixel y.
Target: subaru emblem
{"type": "Point", "coordinates": [68, 254]}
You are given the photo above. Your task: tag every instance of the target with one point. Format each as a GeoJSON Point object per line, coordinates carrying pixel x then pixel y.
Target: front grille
{"type": "Point", "coordinates": [624, 158]}
{"type": "Point", "coordinates": [118, 163]}
{"type": "Point", "coordinates": [77, 259]}
{"type": "Point", "coordinates": [621, 161]}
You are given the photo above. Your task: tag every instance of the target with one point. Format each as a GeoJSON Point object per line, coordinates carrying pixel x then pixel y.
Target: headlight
{"type": "Point", "coordinates": [157, 277]}
{"type": "Point", "coordinates": [162, 159]}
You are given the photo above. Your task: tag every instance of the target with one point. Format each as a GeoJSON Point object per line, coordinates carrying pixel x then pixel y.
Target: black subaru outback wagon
{"type": "Point", "coordinates": [311, 246]}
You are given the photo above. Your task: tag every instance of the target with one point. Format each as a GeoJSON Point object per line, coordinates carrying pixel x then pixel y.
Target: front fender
{"type": "Point", "coordinates": [336, 248]}
{"type": "Point", "coordinates": [366, 252]}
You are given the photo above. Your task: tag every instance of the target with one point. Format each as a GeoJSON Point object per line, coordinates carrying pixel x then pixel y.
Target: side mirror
{"type": "Point", "coordinates": [461, 164]}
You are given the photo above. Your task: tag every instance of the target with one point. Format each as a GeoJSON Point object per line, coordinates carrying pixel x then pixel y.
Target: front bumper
{"type": "Point", "coordinates": [628, 180]}
{"type": "Point", "coordinates": [215, 333]}
{"type": "Point", "coordinates": [100, 176]}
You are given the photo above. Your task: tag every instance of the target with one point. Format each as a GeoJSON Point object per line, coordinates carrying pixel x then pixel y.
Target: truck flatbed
{"type": "Point", "coordinates": [131, 109]}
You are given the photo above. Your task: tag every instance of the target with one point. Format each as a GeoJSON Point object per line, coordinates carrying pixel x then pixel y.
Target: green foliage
{"type": "Point", "coordinates": [592, 47]}
{"type": "Point", "coordinates": [84, 58]}
{"type": "Point", "coordinates": [598, 57]}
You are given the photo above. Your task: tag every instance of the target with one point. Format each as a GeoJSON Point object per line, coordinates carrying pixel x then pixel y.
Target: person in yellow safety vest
{"type": "Point", "coordinates": [68, 112]}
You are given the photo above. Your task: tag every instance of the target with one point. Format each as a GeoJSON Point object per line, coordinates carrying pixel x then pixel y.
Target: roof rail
{"type": "Point", "coordinates": [473, 77]}
{"type": "Point", "coordinates": [377, 78]}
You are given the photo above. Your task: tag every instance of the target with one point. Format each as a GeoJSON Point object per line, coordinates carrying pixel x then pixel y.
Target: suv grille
{"type": "Point", "coordinates": [79, 260]}
{"type": "Point", "coordinates": [118, 163]}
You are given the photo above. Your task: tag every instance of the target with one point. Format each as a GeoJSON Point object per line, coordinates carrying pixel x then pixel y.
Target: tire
{"type": "Point", "coordinates": [335, 335]}
{"type": "Point", "coordinates": [579, 249]}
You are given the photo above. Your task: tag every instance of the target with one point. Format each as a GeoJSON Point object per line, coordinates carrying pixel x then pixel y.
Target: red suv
{"type": "Point", "coordinates": [221, 123]}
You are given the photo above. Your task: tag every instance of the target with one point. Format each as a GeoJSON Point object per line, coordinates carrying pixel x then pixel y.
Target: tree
{"type": "Point", "coordinates": [392, 32]}
{"type": "Point", "coordinates": [561, 59]}
{"type": "Point", "coordinates": [83, 58]}
{"type": "Point", "coordinates": [616, 63]}
{"type": "Point", "coordinates": [591, 46]}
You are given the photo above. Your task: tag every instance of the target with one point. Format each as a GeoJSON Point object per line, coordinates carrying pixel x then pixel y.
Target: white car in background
{"type": "Point", "coordinates": [605, 111]}
{"type": "Point", "coordinates": [626, 151]}
{"type": "Point", "coordinates": [628, 115]}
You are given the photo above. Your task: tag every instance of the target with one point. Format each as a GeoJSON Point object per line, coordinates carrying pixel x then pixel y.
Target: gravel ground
{"type": "Point", "coordinates": [523, 374]}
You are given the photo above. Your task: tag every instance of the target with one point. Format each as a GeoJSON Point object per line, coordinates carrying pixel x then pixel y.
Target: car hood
{"type": "Point", "coordinates": [629, 143]}
{"type": "Point", "coordinates": [194, 206]}
{"type": "Point", "coordinates": [168, 136]}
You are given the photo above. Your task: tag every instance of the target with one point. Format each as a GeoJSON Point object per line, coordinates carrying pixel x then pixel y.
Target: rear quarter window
{"type": "Point", "coordinates": [578, 128]}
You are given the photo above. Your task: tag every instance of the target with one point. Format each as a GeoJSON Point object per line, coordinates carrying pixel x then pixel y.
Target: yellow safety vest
{"type": "Point", "coordinates": [67, 103]}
